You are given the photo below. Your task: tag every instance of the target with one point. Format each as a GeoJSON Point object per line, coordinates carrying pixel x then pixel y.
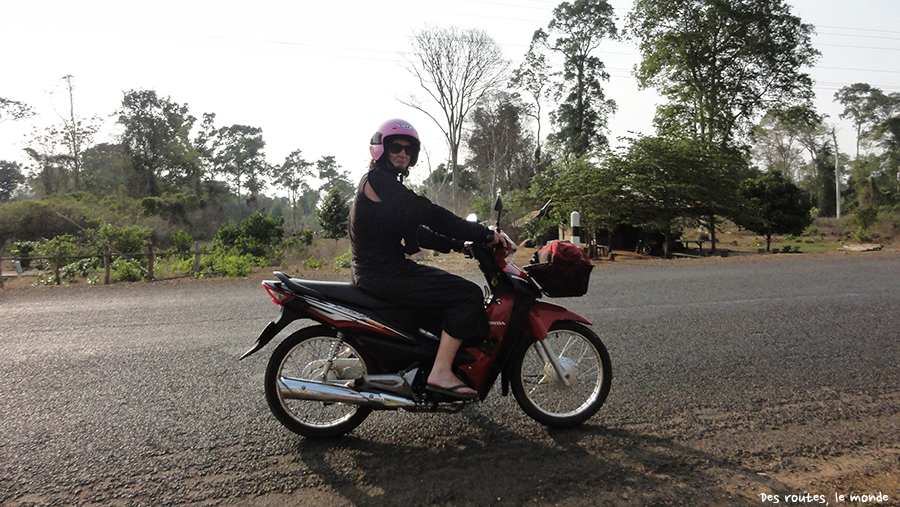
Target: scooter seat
{"type": "Point", "coordinates": [342, 292]}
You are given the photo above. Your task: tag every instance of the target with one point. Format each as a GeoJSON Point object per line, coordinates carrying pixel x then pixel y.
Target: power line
{"type": "Point", "coordinates": [857, 29]}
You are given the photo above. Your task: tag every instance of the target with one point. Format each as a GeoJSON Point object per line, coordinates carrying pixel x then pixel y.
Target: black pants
{"type": "Point", "coordinates": [429, 290]}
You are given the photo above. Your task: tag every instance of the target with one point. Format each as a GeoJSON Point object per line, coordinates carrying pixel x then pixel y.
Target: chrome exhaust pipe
{"type": "Point", "coordinates": [297, 389]}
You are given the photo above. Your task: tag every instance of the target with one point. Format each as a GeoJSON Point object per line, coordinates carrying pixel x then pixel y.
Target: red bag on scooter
{"type": "Point", "coordinates": [561, 269]}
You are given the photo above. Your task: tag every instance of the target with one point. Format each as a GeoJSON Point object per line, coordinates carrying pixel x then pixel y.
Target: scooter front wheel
{"type": "Point", "coordinates": [541, 392]}
{"type": "Point", "coordinates": [315, 353]}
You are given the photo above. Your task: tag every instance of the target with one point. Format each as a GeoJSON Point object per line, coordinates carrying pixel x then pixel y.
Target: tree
{"type": "Point", "coordinates": [576, 30]}
{"type": "Point", "coordinates": [594, 191]}
{"type": "Point", "coordinates": [721, 63]}
{"type": "Point", "coordinates": [105, 169]}
{"type": "Point", "coordinates": [665, 183]}
{"type": "Point", "coordinates": [50, 175]}
{"type": "Point", "coordinates": [291, 174]}
{"type": "Point", "coordinates": [77, 135]}
{"type": "Point", "coordinates": [10, 178]}
{"type": "Point", "coordinates": [533, 76]}
{"type": "Point", "coordinates": [886, 130]}
{"type": "Point", "coordinates": [773, 205]}
{"type": "Point", "coordinates": [874, 177]}
{"type": "Point", "coordinates": [238, 154]}
{"type": "Point", "coordinates": [777, 145]}
{"type": "Point", "coordinates": [329, 171]}
{"type": "Point", "coordinates": [14, 110]}
{"type": "Point", "coordinates": [859, 101]}
{"type": "Point", "coordinates": [334, 214]}
{"type": "Point", "coordinates": [156, 138]}
{"type": "Point", "coordinates": [456, 68]}
{"type": "Point", "coordinates": [500, 149]}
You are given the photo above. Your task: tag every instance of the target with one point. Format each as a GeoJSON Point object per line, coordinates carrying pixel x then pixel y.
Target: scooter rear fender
{"type": "Point", "coordinates": [271, 331]}
{"type": "Point", "coordinates": [543, 315]}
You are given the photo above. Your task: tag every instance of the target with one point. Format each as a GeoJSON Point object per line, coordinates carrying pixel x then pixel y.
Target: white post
{"type": "Point", "coordinates": [576, 229]}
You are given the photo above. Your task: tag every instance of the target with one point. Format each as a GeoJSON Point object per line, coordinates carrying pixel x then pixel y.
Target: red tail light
{"type": "Point", "coordinates": [278, 296]}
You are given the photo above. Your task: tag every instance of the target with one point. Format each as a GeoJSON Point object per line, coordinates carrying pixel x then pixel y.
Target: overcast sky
{"type": "Point", "coordinates": [321, 76]}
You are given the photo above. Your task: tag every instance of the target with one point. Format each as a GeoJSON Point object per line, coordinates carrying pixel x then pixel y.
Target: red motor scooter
{"type": "Point", "coordinates": [366, 354]}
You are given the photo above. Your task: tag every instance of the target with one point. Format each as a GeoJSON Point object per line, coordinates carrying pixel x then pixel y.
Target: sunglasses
{"type": "Point", "coordinates": [397, 148]}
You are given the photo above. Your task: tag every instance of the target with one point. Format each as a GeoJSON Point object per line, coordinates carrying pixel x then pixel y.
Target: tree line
{"type": "Point", "coordinates": [730, 136]}
{"type": "Point", "coordinates": [737, 136]}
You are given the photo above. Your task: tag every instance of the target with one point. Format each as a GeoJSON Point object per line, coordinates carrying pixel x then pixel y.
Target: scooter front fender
{"type": "Point", "coordinates": [543, 315]}
{"type": "Point", "coordinates": [272, 330]}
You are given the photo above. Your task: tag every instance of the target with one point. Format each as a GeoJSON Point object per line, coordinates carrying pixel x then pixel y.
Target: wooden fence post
{"type": "Point", "coordinates": [150, 260]}
{"type": "Point", "coordinates": [196, 256]}
{"type": "Point", "coordinates": [1, 265]}
{"type": "Point", "coordinates": [107, 261]}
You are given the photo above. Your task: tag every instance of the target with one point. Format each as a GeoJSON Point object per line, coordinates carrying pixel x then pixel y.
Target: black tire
{"type": "Point", "coordinates": [302, 356]}
{"type": "Point", "coordinates": [645, 249]}
{"type": "Point", "coordinates": [543, 396]}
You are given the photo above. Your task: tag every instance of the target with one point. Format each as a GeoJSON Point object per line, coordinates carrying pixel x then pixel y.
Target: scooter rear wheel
{"type": "Point", "coordinates": [303, 356]}
{"type": "Point", "coordinates": [543, 395]}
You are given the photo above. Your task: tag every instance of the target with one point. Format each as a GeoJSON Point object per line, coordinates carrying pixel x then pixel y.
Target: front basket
{"type": "Point", "coordinates": [561, 280]}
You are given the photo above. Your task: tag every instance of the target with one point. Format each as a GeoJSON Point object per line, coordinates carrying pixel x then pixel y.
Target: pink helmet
{"type": "Point", "coordinates": [394, 127]}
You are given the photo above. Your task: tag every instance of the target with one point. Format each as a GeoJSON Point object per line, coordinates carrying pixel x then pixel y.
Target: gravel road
{"type": "Point", "coordinates": [735, 379]}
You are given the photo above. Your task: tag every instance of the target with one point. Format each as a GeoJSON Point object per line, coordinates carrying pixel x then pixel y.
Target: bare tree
{"type": "Point", "coordinates": [77, 134]}
{"type": "Point", "coordinates": [457, 68]}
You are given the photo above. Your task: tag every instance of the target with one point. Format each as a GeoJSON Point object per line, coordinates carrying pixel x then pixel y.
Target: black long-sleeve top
{"type": "Point", "coordinates": [382, 233]}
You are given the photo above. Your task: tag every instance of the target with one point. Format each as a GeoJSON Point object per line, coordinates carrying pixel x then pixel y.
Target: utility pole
{"type": "Point", "coordinates": [837, 174]}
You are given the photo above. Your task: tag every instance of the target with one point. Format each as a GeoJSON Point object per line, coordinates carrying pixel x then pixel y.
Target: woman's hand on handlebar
{"type": "Point", "coordinates": [499, 239]}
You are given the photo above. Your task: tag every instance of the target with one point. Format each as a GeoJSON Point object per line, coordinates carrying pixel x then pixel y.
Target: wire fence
{"type": "Point", "coordinates": [108, 256]}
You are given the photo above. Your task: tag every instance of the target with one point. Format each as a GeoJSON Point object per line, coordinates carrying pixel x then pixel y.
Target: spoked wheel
{"type": "Point", "coordinates": [314, 353]}
{"type": "Point", "coordinates": [541, 392]}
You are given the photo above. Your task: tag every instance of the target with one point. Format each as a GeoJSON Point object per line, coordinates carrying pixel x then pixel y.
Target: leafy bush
{"type": "Point", "coordinates": [182, 266]}
{"type": "Point", "coordinates": [306, 236]}
{"type": "Point", "coordinates": [234, 265]}
{"type": "Point", "coordinates": [866, 217]}
{"type": "Point", "coordinates": [125, 270]}
{"type": "Point", "coordinates": [344, 260]}
{"type": "Point", "coordinates": [81, 267]}
{"type": "Point", "coordinates": [126, 240]}
{"type": "Point", "coordinates": [312, 263]}
{"type": "Point", "coordinates": [182, 244]}
{"type": "Point", "coordinates": [541, 229]}
{"type": "Point", "coordinates": [23, 250]}
{"type": "Point", "coordinates": [258, 236]}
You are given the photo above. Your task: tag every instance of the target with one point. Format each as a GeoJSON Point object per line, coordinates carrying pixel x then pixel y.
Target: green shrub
{"type": "Point", "coordinates": [234, 265]}
{"type": "Point", "coordinates": [182, 245]}
{"type": "Point", "coordinates": [126, 240]}
{"type": "Point", "coordinates": [312, 263]}
{"type": "Point", "coordinates": [860, 236]}
{"type": "Point", "coordinates": [866, 217]}
{"type": "Point", "coordinates": [23, 251]}
{"type": "Point", "coordinates": [125, 270]}
{"type": "Point", "coordinates": [307, 236]}
{"type": "Point", "coordinates": [182, 266]}
{"type": "Point", "coordinates": [258, 236]}
{"type": "Point", "coordinates": [81, 267]}
{"type": "Point", "coordinates": [344, 260]}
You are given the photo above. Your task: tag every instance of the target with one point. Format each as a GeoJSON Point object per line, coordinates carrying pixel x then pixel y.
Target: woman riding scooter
{"type": "Point", "coordinates": [388, 222]}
